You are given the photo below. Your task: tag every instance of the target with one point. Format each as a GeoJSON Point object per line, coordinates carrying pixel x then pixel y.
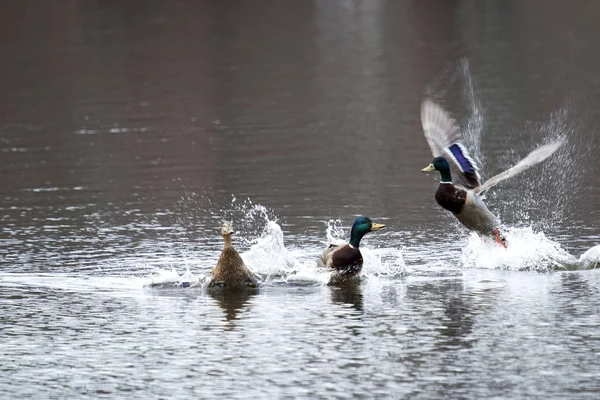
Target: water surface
{"type": "Point", "coordinates": [128, 132]}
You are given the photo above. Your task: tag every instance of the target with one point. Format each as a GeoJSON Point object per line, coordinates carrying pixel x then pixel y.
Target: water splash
{"type": "Point", "coordinates": [200, 212]}
{"type": "Point", "coordinates": [474, 124]}
{"type": "Point", "coordinates": [306, 273]}
{"type": "Point", "coordinates": [268, 255]}
{"type": "Point", "coordinates": [335, 232]}
{"type": "Point", "coordinates": [163, 278]}
{"type": "Point", "coordinates": [442, 84]}
{"type": "Point", "coordinates": [383, 262]}
{"type": "Point", "coordinates": [527, 251]}
{"type": "Point", "coordinates": [591, 258]}
{"type": "Point", "coordinates": [547, 193]}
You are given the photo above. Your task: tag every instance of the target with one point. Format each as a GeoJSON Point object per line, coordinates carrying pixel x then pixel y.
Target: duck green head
{"type": "Point", "coordinates": [440, 164]}
{"type": "Point", "coordinates": [362, 226]}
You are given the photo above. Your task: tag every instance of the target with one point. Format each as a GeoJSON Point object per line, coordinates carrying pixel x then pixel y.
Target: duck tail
{"type": "Point", "coordinates": [499, 238]}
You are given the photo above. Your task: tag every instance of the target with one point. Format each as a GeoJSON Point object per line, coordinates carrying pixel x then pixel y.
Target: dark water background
{"type": "Point", "coordinates": [130, 130]}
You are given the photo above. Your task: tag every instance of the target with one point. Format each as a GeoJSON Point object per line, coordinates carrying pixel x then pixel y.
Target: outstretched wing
{"type": "Point", "coordinates": [444, 139]}
{"type": "Point", "coordinates": [535, 157]}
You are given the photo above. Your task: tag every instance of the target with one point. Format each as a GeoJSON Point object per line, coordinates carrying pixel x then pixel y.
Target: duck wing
{"type": "Point", "coordinates": [535, 157]}
{"type": "Point", "coordinates": [343, 259]}
{"type": "Point", "coordinates": [325, 256]}
{"type": "Point", "coordinates": [445, 140]}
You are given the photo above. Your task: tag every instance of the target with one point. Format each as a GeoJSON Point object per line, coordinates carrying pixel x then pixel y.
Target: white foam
{"type": "Point", "coordinates": [383, 262]}
{"type": "Point", "coordinates": [165, 277]}
{"type": "Point", "coordinates": [526, 250]}
{"type": "Point", "coordinates": [591, 258]}
{"type": "Point", "coordinates": [308, 274]}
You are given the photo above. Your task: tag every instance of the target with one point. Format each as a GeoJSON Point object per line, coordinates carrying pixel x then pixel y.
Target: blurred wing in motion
{"type": "Point", "coordinates": [444, 139]}
{"type": "Point", "coordinates": [533, 158]}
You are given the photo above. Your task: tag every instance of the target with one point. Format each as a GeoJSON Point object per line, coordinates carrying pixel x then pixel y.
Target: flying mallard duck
{"type": "Point", "coordinates": [460, 186]}
{"type": "Point", "coordinates": [231, 270]}
{"type": "Point", "coordinates": [346, 260]}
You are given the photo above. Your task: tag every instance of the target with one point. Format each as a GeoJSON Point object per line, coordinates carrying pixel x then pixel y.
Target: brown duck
{"type": "Point", "coordinates": [231, 271]}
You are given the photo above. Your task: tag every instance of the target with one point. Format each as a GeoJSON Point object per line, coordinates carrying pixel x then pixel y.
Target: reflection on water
{"type": "Point", "coordinates": [460, 321]}
{"type": "Point", "coordinates": [232, 301]}
{"type": "Point", "coordinates": [130, 131]}
{"type": "Point", "coordinates": [348, 293]}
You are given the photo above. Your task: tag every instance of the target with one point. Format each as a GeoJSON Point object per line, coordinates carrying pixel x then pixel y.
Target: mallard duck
{"type": "Point", "coordinates": [460, 186]}
{"type": "Point", "coordinates": [231, 270]}
{"type": "Point", "coordinates": [346, 260]}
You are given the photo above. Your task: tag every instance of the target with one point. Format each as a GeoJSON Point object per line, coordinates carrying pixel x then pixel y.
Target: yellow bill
{"type": "Point", "coordinates": [428, 168]}
{"type": "Point", "coordinates": [376, 227]}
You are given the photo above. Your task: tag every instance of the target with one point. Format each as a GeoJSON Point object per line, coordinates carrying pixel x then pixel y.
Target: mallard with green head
{"type": "Point", "coordinates": [460, 186]}
{"type": "Point", "coordinates": [231, 271]}
{"type": "Point", "coordinates": [346, 260]}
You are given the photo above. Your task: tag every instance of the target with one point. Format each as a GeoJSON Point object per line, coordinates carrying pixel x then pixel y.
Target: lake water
{"type": "Point", "coordinates": [130, 130]}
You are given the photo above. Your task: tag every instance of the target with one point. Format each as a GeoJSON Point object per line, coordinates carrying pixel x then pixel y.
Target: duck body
{"type": "Point", "coordinates": [468, 208]}
{"type": "Point", "coordinates": [346, 260]}
{"type": "Point", "coordinates": [231, 271]}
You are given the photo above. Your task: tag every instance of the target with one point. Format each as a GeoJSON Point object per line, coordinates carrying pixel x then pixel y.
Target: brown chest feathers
{"type": "Point", "coordinates": [450, 197]}
{"type": "Point", "coordinates": [231, 270]}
